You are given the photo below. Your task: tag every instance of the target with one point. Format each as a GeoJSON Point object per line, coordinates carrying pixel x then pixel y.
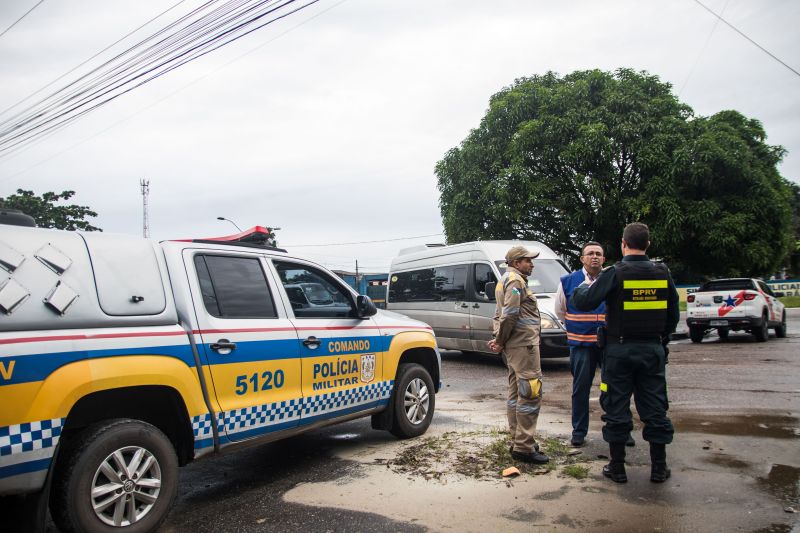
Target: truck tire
{"type": "Point", "coordinates": [761, 333]}
{"type": "Point", "coordinates": [413, 401]}
{"type": "Point", "coordinates": [122, 472]}
{"type": "Point", "coordinates": [780, 330]}
{"type": "Point", "coordinates": [723, 333]}
{"type": "Point", "coordinates": [696, 334]}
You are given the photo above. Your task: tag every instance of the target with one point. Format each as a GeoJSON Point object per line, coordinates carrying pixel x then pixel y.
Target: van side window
{"type": "Point", "coordinates": [440, 284]}
{"type": "Point", "coordinates": [234, 287]}
{"type": "Point", "coordinates": [312, 294]}
{"type": "Point", "coordinates": [483, 275]}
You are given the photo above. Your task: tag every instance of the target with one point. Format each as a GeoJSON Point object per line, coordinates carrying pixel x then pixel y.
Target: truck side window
{"type": "Point", "coordinates": [312, 294]}
{"type": "Point", "coordinates": [234, 287]}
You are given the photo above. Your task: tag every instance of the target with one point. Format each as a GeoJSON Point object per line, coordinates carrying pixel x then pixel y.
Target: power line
{"type": "Point", "coordinates": [361, 242]}
{"type": "Point", "coordinates": [700, 54]}
{"type": "Point", "coordinates": [76, 67]}
{"type": "Point", "coordinates": [167, 97]}
{"type": "Point", "coordinates": [141, 64]}
{"type": "Point", "coordinates": [22, 17]}
{"type": "Point", "coordinates": [737, 30]}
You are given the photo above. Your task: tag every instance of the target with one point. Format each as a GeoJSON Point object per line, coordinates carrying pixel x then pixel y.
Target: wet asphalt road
{"type": "Point", "coordinates": [735, 406]}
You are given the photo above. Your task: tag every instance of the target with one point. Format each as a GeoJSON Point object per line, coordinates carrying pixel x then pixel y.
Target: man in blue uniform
{"type": "Point", "coordinates": [641, 311]}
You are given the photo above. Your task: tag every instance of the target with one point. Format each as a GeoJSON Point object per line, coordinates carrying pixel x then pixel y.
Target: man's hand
{"type": "Point", "coordinates": [493, 346]}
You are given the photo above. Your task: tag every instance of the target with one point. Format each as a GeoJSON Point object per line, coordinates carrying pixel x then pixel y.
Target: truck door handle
{"type": "Point", "coordinates": [476, 305]}
{"type": "Point", "coordinates": [464, 305]}
{"type": "Point", "coordinates": [312, 343]}
{"type": "Point", "coordinates": [223, 346]}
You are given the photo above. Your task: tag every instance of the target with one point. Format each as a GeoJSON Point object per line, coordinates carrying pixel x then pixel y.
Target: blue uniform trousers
{"type": "Point", "coordinates": [583, 361]}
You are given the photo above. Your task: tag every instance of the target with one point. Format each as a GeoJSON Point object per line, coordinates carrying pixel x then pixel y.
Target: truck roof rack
{"type": "Point", "coordinates": [255, 237]}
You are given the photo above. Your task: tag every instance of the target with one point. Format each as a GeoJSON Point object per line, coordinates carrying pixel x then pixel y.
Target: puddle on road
{"type": "Point", "coordinates": [772, 426]}
{"type": "Point", "coordinates": [727, 461]}
{"type": "Point", "coordinates": [783, 482]}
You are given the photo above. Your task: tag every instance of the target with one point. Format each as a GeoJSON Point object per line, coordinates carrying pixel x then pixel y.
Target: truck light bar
{"type": "Point", "coordinates": [256, 237]}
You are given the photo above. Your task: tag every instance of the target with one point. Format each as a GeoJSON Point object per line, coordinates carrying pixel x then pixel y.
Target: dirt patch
{"type": "Point", "coordinates": [783, 482]}
{"type": "Point", "coordinates": [476, 454]}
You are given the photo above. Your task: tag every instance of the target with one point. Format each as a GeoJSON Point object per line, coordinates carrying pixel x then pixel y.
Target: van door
{"type": "Point", "coordinates": [452, 307]}
{"type": "Point", "coordinates": [250, 346]}
{"type": "Point", "coordinates": [482, 308]}
{"type": "Point", "coordinates": [341, 355]}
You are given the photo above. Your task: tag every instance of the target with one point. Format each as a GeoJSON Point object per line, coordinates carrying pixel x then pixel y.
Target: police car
{"type": "Point", "coordinates": [123, 359]}
{"type": "Point", "coordinates": [735, 304]}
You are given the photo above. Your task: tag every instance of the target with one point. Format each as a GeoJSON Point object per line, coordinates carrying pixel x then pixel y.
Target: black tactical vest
{"type": "Point", "coordinates": [638, 306]}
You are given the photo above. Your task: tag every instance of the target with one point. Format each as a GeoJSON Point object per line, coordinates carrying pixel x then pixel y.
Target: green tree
{"type": "Point", "coordinates": [49, 215]}
{"type": "Point", "coordinates": [569, 159]}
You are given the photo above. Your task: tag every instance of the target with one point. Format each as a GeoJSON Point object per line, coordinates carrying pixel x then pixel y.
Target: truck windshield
{"type": "Point", "coordinates": [546, 274]}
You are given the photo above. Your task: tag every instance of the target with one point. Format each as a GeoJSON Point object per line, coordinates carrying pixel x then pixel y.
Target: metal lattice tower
{"type": "Point", "coordinates": [145, 216]}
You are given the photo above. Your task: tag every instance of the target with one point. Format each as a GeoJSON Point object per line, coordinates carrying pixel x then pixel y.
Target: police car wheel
{"type": "Point", "coordinates": [120, 475]}
{"type": "Point", "coordinates": [413, 401]}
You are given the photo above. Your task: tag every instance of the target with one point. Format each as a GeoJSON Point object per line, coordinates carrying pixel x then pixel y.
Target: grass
{"type": "Point", "coordinates": [790, 301]}
{"type": "Point", "coordinates": [480, 455]}
{"type": "Point", "coordinates": [683, 306]}
{"type": "Point", "coordinates": [576, 471]}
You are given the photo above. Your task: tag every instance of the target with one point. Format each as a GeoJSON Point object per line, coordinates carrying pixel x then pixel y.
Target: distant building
{"type": "Point", "coordinates": [370, 283]}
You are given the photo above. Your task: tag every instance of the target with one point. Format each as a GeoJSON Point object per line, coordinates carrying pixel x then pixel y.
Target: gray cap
{"type": "Point", "coordinates": [518, 252]}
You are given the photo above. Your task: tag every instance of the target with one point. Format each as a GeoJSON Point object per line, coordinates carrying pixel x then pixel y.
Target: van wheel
{"type": "Point", "coordinates": [413, 401]}
{"type": "Point", "coordinates": [761, 333]}
{"type": "Point", "coordinates": [780, 330]}
{"type": "Point", "coordinates": [119, 475]}
{"type": "Point", "coordinates": [696, 334]}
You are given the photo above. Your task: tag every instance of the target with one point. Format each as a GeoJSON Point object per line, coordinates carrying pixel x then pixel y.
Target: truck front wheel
{"type": "Point", "coordinates": [413, 401]}
{"type": "Point", "coordinates": [119, 475]}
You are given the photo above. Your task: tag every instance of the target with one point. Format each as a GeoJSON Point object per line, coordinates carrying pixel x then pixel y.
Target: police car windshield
{"type": "Point", "coordinates": [546, 274]}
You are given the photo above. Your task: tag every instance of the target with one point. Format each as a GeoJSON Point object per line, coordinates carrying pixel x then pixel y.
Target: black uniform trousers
{"type": "Point", "coordinates": [638, 368]}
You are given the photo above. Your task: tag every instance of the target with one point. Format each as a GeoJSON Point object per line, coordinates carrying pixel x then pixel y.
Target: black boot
{"type": "Point", "coordinates": [615, 470]}
{"type": "Point", "coordinates": [659, 472]}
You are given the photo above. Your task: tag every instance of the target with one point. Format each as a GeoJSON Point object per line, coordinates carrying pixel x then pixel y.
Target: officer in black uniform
{"type": "Point", "coordinates": [641, 312]}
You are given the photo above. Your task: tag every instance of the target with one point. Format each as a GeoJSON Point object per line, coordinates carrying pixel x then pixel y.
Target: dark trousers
{"type": "Point", "coordinates": [583, 361]}
{"type": "Point", "coordinates": [636, 368]}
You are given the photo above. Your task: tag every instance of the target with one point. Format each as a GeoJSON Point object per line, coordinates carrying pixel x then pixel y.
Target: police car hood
{"type": "Point", "coordinates": [392, 319]}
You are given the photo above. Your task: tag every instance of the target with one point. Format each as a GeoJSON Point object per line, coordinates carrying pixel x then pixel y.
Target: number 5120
{"type": "Point", "coordinates": [255, 382]}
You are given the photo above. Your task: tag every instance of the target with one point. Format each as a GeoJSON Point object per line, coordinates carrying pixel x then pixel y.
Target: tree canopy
{"type": "Point", "coordinates": [568, 159]}
{"type": "Point", "coordinates": [47, 214]}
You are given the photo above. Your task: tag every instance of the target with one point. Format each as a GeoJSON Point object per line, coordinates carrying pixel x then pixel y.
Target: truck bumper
{"type": "Point", "coordinates": [553, 344]}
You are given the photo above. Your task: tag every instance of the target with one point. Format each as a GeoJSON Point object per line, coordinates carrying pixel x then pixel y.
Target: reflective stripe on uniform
{"type": "Point", "coordinates": [644, 284]}
{"type": "Point", "coordinates": [603, 387]}
{"type": "Point", "coordinates": [584, 318]}
{"type": "Point", "coordinates": [643, 306]}
{"type": "Point", "coordinates": [527, 409]}
{"type": "Point", "coordinates": [528, 322]}
{"type": "Point", "coordinates": [582, 338]}
{"type": "Point", "coordinates": [511, 310]}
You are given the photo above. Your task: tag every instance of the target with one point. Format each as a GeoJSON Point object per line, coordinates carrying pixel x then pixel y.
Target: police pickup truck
{"type": "Point", "coordinates": [735, 304]}
{"type": "Point", "coordinates": [122, 359]}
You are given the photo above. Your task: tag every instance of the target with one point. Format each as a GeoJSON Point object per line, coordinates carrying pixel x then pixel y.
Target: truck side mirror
{"type": "Point", "coordinates": [489, 290]}
{"type": "Point", "coordinates": [364, 306]}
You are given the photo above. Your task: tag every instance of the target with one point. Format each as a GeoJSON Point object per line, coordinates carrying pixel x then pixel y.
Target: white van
{"type": "Point", "coordinates": [445, 287]}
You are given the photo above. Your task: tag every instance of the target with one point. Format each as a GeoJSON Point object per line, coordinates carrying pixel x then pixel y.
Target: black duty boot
{"type": "Point", "coordinates": [659, 472]}
{"type": "Point", "coordinates": [615, 470]}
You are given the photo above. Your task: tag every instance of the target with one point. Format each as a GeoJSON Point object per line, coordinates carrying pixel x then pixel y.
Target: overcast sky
{"type": "Point", "coordinates": [331, 130]}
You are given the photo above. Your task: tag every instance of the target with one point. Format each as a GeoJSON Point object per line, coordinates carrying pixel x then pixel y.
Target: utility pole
{"type": "Point", "coordinates": [145, 184]}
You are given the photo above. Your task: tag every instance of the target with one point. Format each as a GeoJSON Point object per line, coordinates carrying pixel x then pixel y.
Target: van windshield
{"type": "Point", "coordinates": [546, 274]}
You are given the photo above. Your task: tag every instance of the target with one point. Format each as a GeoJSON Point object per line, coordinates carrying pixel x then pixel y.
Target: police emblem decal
{"type": "Point", "coordinates": [367, 367]}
